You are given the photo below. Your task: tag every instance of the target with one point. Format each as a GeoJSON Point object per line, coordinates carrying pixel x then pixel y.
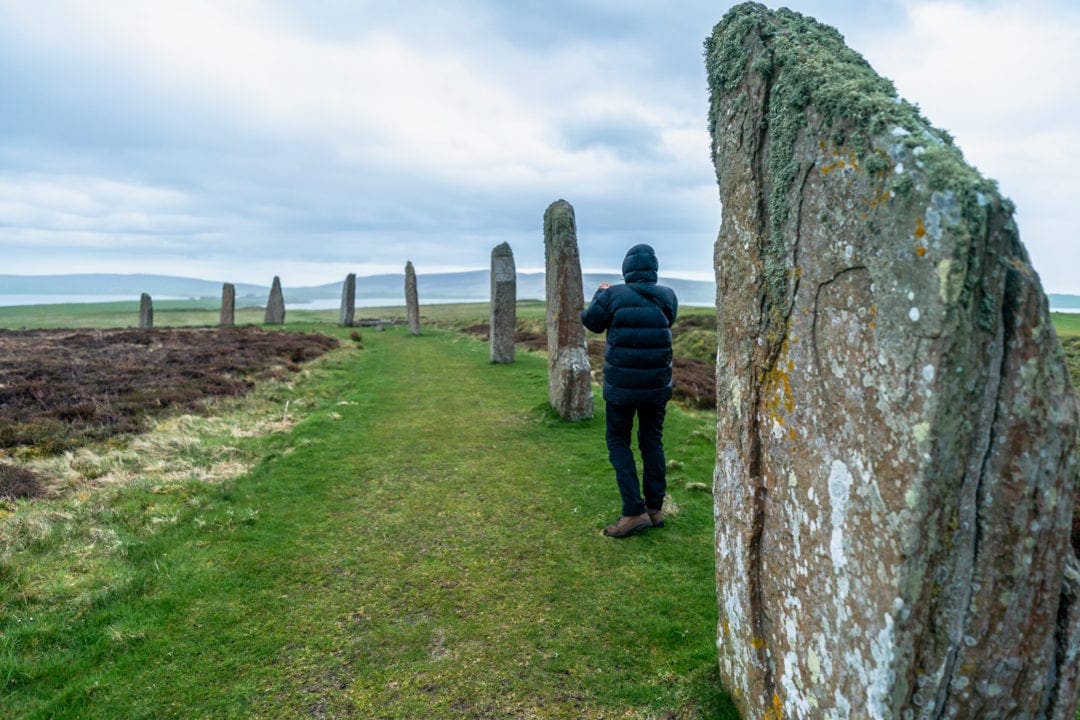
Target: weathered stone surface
{"type": "Point", "coordinates": [348, 301]}
{"type": "Point", "coordinates": [275, 305]}
{"type": "Point", "coordinates": [146, 312]}
{"type": "Point", "coordinates": [228, 305]}
{"type": "Point", "coordinates": [503, 304]}
{"type": "Point", "coordinates": [895, 438]}
{"type": "Point", "coordinates": [412, 303]}
{"type": "Point", "coordinates": [569, 378]}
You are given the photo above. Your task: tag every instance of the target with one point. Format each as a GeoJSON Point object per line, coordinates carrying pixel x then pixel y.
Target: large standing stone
{"type": "Point", "coordinates": [412, 303]}
{"type": "Point", "coordinates": [228, 305]}
{"type": "Point", "coordinates": [146, 312]}
{"type": "Point", "coordinates": [569, 379]}
{"type": "Point", "coordinates": [348, 301]}
{"type": "Point", "coordinates": [275, 305]}
{"type": "Point", "coordinates": [895, 436]}
{"type": "Point", "coordinates": [503, 304]}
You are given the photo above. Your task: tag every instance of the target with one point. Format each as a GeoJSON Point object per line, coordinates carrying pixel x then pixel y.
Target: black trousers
{"type": "Point", "coordinates": [620, 423]}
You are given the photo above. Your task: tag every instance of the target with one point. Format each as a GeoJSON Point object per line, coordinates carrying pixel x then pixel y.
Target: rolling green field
{"type": "Point", "coordinates": [1067, 324]}
{"type": "Point", "coordinates": [398, 531]}
{"type": "Point", "coordinates": [1068, 329]}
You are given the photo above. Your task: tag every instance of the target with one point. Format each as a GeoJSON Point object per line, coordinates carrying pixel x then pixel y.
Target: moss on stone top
{"type": "Point", "coordinates": [806, 66]}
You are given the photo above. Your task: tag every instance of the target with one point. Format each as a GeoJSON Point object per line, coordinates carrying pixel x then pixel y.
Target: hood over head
{"type": "Point", "coordinates": [640, 264]}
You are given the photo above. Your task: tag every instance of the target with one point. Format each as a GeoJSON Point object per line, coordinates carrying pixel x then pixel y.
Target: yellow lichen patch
{"type": "Point", "coordinates": [757, 642]}
{"type": "Point", "coordinates": [776, 384]}
{"type": "Point", "coordinates": [791, 434]}
{"type": "Point", "coordinates": [880, 198]}
{"type": "Point", "coordinates": [920, 251]}
{"type": "Point", "coordinates": [776, 711]}
{"type": "Point", "coordinates": [1019, 264]}
{"type": "Point", "coordinates": [852, 160]}
{"type": "Point", "coordinates": [821, 145]}
{"type": "Point", "coordinates": [838, 165]}
{"type": "Point", "coordinates": [920, 229]}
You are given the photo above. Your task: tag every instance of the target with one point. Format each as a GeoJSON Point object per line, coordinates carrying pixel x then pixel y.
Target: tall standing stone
{"type": "Point", "coordinates": [412, 303]}
{"type": "Point", "coordinates": [348, 301]}
{"type": "Point", "coordinates": [503, 304]}
{"type": "Point", "coordinates": [228, 305]}
{"type": "Point", "coordinates": [896, 430]}
{"type": "Point", "coordinates": [569, 377]}
{"type": "Point", "coordinates": [275, 305]}
{"type": "Point", "coordinates": [146, 312]}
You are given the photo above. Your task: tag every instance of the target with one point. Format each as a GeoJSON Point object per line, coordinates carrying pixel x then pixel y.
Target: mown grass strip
{"type": "Point", "coordinates": [426, 544]}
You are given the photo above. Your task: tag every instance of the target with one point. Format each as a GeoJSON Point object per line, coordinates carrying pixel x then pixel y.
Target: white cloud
{"type": "Point", "coordinates": [366, 133]}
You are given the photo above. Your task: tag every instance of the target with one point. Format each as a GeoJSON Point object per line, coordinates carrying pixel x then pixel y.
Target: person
{"type": "Point", "coordinates": [637, 317]}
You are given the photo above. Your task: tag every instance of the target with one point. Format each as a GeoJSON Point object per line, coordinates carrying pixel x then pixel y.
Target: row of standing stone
{"type": "Point", "coordinates": [570, 391]}
{"type": "Point", "coordinates": [569, 373]}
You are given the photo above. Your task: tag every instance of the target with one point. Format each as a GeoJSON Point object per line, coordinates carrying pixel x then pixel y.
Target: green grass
{"type": "Point", "coordinates": [1066, 324]}
{"type": "Point", "coordinates": [401, 531]}
{"type": "Point", "coordinates": [424, 542]}
{"type": "Point", "coordinates": [1068, 329]}
{"type": "Point", "coordinates": [187, 313]}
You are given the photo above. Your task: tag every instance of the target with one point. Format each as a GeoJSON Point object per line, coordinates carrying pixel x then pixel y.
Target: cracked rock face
{"type": "Point", "coordinates": [348, 301]}
{"type": "Point", "coordinates": [569, 376]}
{"type": "Point", "coordinates": [503, 304]}
{"type": "Point", "coordinates": [412, 303]}
{"type": "Point", "coordinates": [896, 431]}
{"type": "Point", "coordinates": [275, 305]}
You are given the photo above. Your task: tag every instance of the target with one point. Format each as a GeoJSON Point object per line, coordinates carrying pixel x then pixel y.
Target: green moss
{"type": "Point", "coordinates": [812, 77]}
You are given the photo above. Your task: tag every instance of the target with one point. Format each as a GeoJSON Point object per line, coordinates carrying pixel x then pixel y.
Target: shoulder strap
{"type": "Point", "coordinates": [653, 300]}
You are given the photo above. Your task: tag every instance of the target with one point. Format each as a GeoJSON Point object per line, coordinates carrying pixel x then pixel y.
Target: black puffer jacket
{"type": "Point", "coordinates": [638, 318]}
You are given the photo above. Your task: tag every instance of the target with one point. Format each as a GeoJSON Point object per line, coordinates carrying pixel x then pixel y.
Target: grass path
{"type": "Point", "coordinates": [425, 544]}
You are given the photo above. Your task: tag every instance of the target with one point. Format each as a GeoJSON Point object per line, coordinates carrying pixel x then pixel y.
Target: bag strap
{"type": "Point", "coordinates": [654, 301]}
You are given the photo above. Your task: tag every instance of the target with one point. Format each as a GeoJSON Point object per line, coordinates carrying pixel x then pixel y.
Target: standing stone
{"type": "Point", "coordinates": [348, 301]}
{"type": "Point", "coordinates": [412, 304]}
{"type": "Point", "coordinates": [896, 430]}
{"type": "Point", "coordinates": [228, 305]}
{"type": "Point", "coordinates": [503, 304]}
{"type": "Point", "coordinates": [569, 378]}
{"type": "Point", "coordinates": [146, 312]}
{"type": "Point", "coordinates": [275, 305]}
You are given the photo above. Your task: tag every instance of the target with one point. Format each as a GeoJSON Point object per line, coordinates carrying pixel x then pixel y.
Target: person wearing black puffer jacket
{"type": "Point", "coordinates": [637, 380]}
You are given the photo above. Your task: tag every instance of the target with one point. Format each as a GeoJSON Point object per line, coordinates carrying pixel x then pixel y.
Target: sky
{"type": "Point", "coordinates": [235, 140]}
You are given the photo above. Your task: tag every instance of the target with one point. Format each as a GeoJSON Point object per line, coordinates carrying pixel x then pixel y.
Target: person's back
{"type": "Point", "coordinates": [637, 380]}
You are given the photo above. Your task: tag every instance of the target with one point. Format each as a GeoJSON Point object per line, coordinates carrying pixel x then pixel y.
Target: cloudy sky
{"type": "Point", "coordinates": [235, 139]}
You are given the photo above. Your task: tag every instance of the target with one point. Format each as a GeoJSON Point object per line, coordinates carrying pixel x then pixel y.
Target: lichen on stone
{"type": "Point", "coordinates": [811, 76]}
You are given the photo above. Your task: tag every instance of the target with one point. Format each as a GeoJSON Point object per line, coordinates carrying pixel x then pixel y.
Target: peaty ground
{"type": "Point", "coordinates": [420, 538]}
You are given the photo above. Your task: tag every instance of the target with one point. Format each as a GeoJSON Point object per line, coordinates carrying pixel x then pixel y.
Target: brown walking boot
{"type": "Point", "coordinates": [627, 525]}
{"type": "Point", "coordinates": [656, 517]}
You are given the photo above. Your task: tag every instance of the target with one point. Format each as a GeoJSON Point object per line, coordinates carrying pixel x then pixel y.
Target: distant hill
{"type": "Point", "coordinates": [111, 284]}
{"type": "Point", "coordinates": [1064, 302]}
{"type": "Point", "coordinates": [468, 285]}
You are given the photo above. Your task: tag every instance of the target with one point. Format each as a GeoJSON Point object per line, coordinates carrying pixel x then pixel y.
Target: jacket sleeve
{"type": "Point", "coordinates": [597, 317]}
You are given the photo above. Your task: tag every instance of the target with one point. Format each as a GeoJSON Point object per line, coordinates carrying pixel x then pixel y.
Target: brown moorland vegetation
{"type": "Point", "coordinates": [695, 379]}
{"type": "Point", "coordinates": [62, 388]}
